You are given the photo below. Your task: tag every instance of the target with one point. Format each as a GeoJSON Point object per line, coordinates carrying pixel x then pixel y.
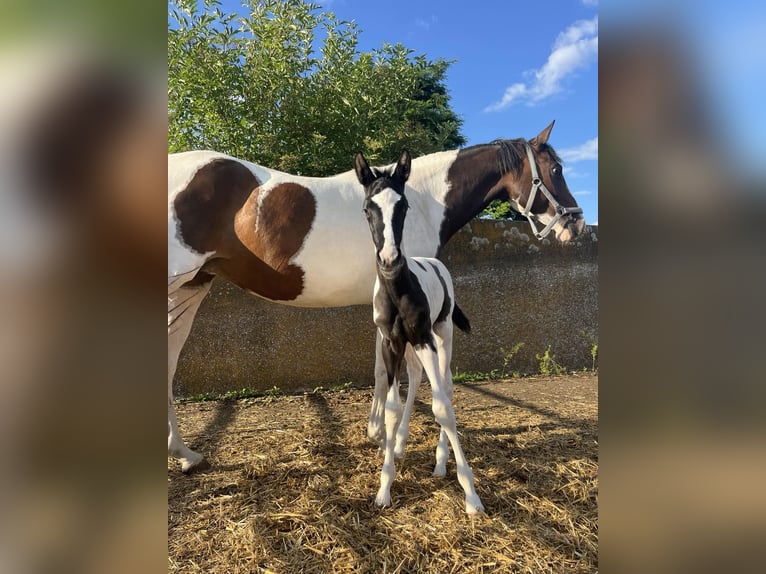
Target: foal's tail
{"type": "Point", "coordinates": [460, 320]}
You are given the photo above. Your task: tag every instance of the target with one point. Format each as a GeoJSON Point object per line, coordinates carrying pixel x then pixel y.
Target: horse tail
{"type": "Point", "coordinates": [460, 320]}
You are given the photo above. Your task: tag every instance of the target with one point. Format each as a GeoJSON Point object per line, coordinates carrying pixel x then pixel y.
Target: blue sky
{"type": "Point", "coordinates": [726, 45]}
{"type": "Point", "coordinates": [518, 66]}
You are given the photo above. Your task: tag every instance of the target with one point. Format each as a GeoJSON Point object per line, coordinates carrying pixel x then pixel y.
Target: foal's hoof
{"type": "Point", "coordinates": [189, 466]}
{"type": "Point", "coordinates": [475, 507]}
{"type": "Point", "coordinates": [383, 499]}
{"type": "Point", "coordinates": [376, 435]}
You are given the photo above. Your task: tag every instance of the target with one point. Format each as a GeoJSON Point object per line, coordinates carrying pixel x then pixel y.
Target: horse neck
{"type": "Point", "coordinates": [463, 182]}
{"type": "Point", "coordinates": [397, 283]}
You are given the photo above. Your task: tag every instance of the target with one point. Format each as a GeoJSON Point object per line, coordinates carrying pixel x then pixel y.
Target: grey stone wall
{"type": "Point", "coordinates": [512, 287]}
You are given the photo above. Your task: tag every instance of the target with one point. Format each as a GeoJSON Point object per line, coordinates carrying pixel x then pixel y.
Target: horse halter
{"type": "Point", "coordinates": [537, 183]}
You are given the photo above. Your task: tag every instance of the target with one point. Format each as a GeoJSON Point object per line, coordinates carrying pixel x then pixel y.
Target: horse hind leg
{"type": "Point", "coordinates": [183, 305]}
{"type": "Point", "coordinates": [443, 337]}
{"type": "Point", "coordinates": [445, 416]}
{"type": "Point", "coordinates": [414, 375]}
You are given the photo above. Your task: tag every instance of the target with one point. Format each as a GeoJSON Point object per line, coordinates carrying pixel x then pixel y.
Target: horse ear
{"type": "Point", "coordinates": [402, 170]}
{"type": "Point", "coordinates": [363, 171]}
{"type": "Point", "coordinates": [543, 136]}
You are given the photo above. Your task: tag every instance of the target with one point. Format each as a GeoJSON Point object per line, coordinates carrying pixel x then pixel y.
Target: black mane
{"type": "Point", "coordinates": [512, 152]}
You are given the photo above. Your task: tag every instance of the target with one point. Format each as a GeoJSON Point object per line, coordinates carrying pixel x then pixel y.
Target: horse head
{"type": "Point", "coordinates": [535, 184]}
{"type": "Point", "coordinates": [385, 206]}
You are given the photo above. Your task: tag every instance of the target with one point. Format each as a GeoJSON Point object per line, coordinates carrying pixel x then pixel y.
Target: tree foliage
{"type": "Point", "coordinates": [284, 84]}
{"type": "Point", "coordinates": [501, 209]}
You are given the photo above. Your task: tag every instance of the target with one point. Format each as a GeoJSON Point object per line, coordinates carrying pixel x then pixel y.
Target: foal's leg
{"type": "Point", "coordinates": [414, 375]}
{"type": "Point", "coordinates": [393, 418]}
{"type": "Point", "coordinates": [183, 305]}
{"type": "Point", "coordinates": [375, 425]}
{"type": "Point", "coordinates": [392, 359]}
{"type": "Point", "coordinates": [443, 339]}
{"type": "Point", "coordinates": [445, 416]}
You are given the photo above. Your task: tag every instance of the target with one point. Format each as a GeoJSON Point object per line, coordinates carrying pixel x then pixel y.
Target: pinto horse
{"type": "Point", "coordinates": [294, 240]}
{"type": "Point", "coordinates": [413, 306]}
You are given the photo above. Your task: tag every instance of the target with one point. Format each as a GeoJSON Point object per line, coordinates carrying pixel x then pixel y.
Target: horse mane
{"type": "Point", "coordinates": [511, 155]}
{"type": "Point", "coordinates": [512, 152]}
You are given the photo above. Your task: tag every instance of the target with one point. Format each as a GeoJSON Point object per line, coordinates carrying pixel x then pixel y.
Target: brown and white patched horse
{"type": "Point", "coordinates": [303, 241]}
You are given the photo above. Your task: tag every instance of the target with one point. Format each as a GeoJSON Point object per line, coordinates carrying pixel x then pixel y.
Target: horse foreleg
{"type": "Point", "coordinates": [414, 375]}
{"type": "Point", "coordinates": [183, 305]}
{"type": "Point", "coordinates": [393, 417]}
{"type": "Point", "coordinates": [375, 426]}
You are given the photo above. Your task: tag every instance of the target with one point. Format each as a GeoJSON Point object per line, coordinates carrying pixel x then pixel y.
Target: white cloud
{"type": "Point", "coordinates": [590, 2]}
{"type": "Point", "coordinates": [573, 49]}
{"type": "Point", "coordinates": [582, 152]}
{"type": "Point", "coordinates": [573, 174]}
{"type": "Point", "coordinates": [584, 192]}
{"type": "Point", "coordinates": [426, 24]}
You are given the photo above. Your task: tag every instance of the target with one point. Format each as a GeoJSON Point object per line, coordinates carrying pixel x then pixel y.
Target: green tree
{"type": "Point", "coordinates": [255, 85]}
{"type": "Point", "coordinates": [501, 209]}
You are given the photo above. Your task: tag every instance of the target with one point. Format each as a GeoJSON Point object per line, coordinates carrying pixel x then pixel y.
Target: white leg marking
{"type": "Point", "coordinates": [443, 339]}
{"type": "Point", "coordinates": [414, 374]}
{"type": "Point", "coordinates": [183, 305]}
{"type": "Point", "coordinates": [375, 429]}
{"type": "Point", "coordinates": [393, 418]}
{"type": "Point", "coordinates": [445, 416]}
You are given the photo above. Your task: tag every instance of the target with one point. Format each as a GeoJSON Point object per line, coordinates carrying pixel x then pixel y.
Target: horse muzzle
{"type": "Point", "coordinates": [572, 228]}
{"type": "Point", "coordinates": [389, 257]}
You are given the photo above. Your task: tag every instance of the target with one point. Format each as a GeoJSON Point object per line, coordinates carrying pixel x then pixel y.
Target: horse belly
{"type": "Point", "coordinates": [339, 266]}
{"type": "Point", "coordinates": [335, 284]}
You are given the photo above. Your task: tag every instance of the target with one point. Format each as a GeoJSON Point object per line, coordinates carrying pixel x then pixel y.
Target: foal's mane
{"type": "Point", "coordinates": [379, 172]}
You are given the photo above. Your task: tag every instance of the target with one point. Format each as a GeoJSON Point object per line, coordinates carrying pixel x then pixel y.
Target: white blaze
{"type": "Point", "coordinates": [387, 200]}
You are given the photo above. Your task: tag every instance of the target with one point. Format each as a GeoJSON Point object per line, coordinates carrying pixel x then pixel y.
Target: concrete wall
{"type": "Point", "coordinates": [512, 287]}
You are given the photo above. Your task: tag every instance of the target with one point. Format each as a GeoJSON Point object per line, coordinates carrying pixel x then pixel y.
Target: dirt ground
{"type": "Point", "coordinates": [292, 480]}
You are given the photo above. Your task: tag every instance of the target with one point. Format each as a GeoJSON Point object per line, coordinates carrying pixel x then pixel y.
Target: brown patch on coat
{"type": "Point", "coordinates": [472, 180]}
{"type": "Point", "coordinates": [218, 211]}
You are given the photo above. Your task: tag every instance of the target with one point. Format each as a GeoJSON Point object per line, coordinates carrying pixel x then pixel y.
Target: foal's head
{"type": "Point", "coordinates": [385, 206]}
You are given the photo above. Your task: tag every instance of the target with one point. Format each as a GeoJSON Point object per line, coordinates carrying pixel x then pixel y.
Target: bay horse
{"type": "Point", "coordinates": [303, 241]}
{"type": "Point", "coordinates": [413, 307]}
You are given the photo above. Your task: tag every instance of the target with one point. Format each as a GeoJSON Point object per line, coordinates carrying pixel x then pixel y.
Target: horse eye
{"type": "Point", "coordinates": [556, 170]}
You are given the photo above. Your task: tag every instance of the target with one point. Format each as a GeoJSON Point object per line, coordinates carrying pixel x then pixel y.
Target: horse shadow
{"type": "Point", "coordinates": [338, 469]}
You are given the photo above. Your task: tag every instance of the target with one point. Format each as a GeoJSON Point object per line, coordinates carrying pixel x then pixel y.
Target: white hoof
{"type": "Point", "coordinates": [383, 499]}
{"type": "Point", "coordinates": [474, 506]}
{"type": "Point", "coordinates": [399, 451]}
{"type": "Point", "coordinates": [440, 470]}
{"type": "Point", "coordinates": [376, 434]}
{"type": "Point", "coordinates": [190, 462]}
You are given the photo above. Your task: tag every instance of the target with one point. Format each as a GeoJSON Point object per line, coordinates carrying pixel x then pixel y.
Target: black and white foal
{"type": "Point", "coordinates": [413, 308]}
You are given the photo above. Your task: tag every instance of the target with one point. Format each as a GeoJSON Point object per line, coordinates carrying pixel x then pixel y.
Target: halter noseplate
{"type": "Point", "coordinates": [537, 183]}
